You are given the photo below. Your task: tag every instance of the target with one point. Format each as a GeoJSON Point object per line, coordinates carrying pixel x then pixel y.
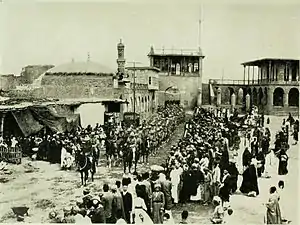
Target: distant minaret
{"type": "Point", "coordinates": [121, 60]}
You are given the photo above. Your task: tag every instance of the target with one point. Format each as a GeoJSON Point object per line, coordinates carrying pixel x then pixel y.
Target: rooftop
{"type": "Point", "coordinates": [259, 62]}
{"type": "Point", "coordinates": [176, 52]}
{"type": "Point", "coordinates": [88, 67]}
{"type": "Point", "coordinates": [143, 68]}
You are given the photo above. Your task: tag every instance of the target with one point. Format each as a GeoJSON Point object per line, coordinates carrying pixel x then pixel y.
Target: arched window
{"type": "Point", "coordinates": [240, 96]}
{"type": "Point", "coordinates": [278, 97]}
{"type": "Point", "coordinates": [294, 97]}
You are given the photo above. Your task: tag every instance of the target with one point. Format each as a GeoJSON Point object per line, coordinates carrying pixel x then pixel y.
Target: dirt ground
{"type": "Point", "coordinates": [43, 187]}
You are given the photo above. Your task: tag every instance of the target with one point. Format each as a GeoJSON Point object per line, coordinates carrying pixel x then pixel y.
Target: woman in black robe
{"type": "Point", "coordinates": [233, 171]}
{"type": "Point", "coordinates": [283, 163]}
{"type": "Point", "coordinates": [247, 156]}
{"type": "Point", "coordinates": [249, 183]}
{"type": "Point", "coordinates": [185, 193]}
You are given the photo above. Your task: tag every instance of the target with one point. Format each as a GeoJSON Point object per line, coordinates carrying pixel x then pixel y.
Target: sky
{"type": "Point", "coordinates": [45, 32]}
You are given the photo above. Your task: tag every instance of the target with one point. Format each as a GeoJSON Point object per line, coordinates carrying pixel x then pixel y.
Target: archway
{"type": "Point", "coordinates": [294, 97]}
{"type": "Point", "coordinates": [278, 97]}
{"type": "Point", "coordinates": [231, 91]}
{"type": "Point", "coordinates": [249, 91]}
{"type": "Point", "coordinates": [265, 102]}
{"type": "Point", "coordinates": [254, 96]}
{"type": "Point", "coordinates": [240, 97]}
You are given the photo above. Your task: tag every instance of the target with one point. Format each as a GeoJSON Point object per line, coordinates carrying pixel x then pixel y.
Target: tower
{"type": "Point", "coordinates": [121, 60]}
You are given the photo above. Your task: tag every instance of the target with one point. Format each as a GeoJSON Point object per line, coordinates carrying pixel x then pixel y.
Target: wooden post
{"type": "Point", "coordinates": [2, 123]}
{"type": "Point", "coordinates": [244, 74]}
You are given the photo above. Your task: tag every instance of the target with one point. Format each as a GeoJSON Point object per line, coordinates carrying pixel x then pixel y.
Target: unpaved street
{"type": "Point", "coordinates": [43, 187]}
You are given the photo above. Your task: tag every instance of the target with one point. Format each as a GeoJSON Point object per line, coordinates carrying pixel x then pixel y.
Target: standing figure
{"type": "Point", "coordinates": [283, 162]}
{"type": "Point", "coordinates": [158, 202]}
{"type": "Point", "coordinates": [273, 214]}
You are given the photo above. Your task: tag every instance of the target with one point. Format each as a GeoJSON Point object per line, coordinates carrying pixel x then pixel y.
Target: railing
{"type": "Point", "coordinates": [164, 51]}
{"type": "Point", "coordinates": [250, 82]}
{"type": "Point", "coordinates": [11, 155]}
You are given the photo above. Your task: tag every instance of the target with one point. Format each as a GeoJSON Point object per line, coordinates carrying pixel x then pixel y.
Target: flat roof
{"type": "Point", "coordinates": [177, 52]}
{"type": "Point", "coordinates": [143, 68]}
{"type": "Point", "coordinates": [259, 62]}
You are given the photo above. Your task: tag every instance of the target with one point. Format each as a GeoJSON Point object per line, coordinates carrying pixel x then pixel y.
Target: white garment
{"type": "Point", "coordinates": [63, 156]}
{"type": "Point", "coordinates": [82, 220]}
{"type": "Point", "coordinates": [121, 221]}
{"type": "Point", "coordinates": [216, 175]}
{"type": "Point", "coordinates": [175, 179]}
{"type": "Point", "coordinates": [14, 142]}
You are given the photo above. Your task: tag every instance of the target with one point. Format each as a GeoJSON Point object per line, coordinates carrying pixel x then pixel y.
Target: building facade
{"type": "Point", "coordinates": [270, 84]}
{"type": "Point", "coordinates": [182, 70]}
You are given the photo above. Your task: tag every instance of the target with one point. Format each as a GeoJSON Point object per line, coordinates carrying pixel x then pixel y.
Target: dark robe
{"type": "Point", "coordinates": [233, 171]}
{"type": "Point", "coordinates": [224, 161]}
{"type": "Point", "coordinates": [127, 201]}
{"type": "Point", "coordinates": [246, 158]}
{"type": "Point", "coordinates": [97, 216]}
{"type": "Point", "coordinates": [225, 189]}
{"type": "Point", "coordinates": [283, 163]}
{"type": "Point", "coordinates": [261, 158]}
{"type": "Point", "coordinates": [196, 178]}
{"type": "Point", "coordinates": [185, 193]}
{"type": "Point", "coordinates": [249, 183]}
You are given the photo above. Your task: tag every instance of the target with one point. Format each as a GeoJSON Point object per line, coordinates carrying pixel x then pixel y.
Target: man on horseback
{"type": "Point", "coordinates": [130, 153]}
{"type": "Point", "coordinates": [86, 161]}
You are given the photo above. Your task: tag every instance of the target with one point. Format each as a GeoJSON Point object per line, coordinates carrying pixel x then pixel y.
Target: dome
{"type": "Point", "coordinates": [88, 67]}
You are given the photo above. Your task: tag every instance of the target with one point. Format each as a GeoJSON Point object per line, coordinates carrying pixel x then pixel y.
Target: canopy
{"type": "Point", "coordinates": [54, 121]}
{"type": "Point", "coordinates": [26, 122]}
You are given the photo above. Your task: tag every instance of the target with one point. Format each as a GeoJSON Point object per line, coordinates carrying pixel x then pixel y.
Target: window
{"type": "Point", "coordinates": [150, 80]}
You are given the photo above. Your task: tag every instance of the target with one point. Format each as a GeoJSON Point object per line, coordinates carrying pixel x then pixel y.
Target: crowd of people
{"type": "Point", "coordinates": [112, 138]}
{"type": "Point", "coordinates": [202, 166]}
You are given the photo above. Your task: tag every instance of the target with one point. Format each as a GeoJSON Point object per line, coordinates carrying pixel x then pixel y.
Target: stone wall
{"type": "Point", "coordinates": [188, 87]}
{"type": "Point", "coordinates": [32, 72]}
{"type": "Point", "coordinates": [77, 86]}
{"type": "Point", "coordinates": [8, 82]}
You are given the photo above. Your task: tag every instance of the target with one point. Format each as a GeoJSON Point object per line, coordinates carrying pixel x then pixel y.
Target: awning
{"type": "Point", "coordinates": [28, 125]}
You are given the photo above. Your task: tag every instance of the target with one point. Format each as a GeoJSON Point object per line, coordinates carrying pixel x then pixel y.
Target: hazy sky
{"type": "Point", "coordinates": [56, 32]}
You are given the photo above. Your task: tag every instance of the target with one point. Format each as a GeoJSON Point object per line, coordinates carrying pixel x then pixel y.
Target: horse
{"type": "Point", "coordinates": [111, 152]}
{"type": "Point", "coordinates": [130, 156]}
{"type": "Point", "coordinates": [86, 164]}
{"type": "Point", "coordinates": [96, 154]}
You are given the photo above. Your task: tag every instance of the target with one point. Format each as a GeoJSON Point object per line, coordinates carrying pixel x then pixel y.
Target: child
{"type": "Point", "coordinates": [184, 216]}
{"type": "Point", "coordinates": [280, 193]}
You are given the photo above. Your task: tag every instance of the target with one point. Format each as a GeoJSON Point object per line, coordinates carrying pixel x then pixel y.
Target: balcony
{"type": "Point", "coordinates": [250, 82]}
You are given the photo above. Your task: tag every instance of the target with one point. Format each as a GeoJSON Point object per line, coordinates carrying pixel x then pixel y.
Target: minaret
{"type": "Point", "coordinates": [121, 60]}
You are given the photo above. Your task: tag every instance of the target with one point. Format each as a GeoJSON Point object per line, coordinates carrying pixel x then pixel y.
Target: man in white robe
{"type": "Point", "coordinates": [175, 179]}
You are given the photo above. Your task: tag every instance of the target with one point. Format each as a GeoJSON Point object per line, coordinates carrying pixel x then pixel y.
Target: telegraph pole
{"type": "Point", "coordinates": [134, 101]}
